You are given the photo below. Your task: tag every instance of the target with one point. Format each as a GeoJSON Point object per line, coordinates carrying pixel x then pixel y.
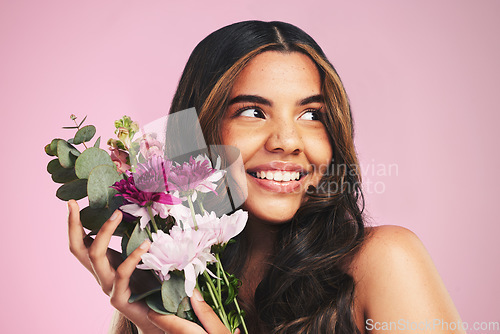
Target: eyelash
{"type": "Point", "coordinates": [315, 110]}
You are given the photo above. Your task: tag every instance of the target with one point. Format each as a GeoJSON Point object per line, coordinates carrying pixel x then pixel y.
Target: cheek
{"type": "Point", "coordinates": [245, 140]}
{"type": "Point", "coordinates": [319, 150]}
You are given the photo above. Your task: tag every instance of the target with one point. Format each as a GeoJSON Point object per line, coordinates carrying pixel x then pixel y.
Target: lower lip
{"type": "Point", "coordinates": [279, 186]}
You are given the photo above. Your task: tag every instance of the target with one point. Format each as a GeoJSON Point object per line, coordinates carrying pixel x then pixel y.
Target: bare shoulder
{"type": "Point", "coordinates": [388, 242]}
{"type": "Point", "coordinates": [396, 280]}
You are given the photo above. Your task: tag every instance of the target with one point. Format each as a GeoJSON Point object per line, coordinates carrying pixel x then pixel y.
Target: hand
{"type": "Point", "coordinates": [101, 261]}
{"type": "Point", "coordinates": [172, 324]}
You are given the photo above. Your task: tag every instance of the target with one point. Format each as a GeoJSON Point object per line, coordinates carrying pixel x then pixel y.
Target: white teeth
{"type": "Point", "coordinates": [278, 175]}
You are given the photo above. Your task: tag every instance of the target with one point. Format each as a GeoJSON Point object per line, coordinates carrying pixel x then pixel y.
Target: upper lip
{"type": "Point", "coordinates": [278, 165]}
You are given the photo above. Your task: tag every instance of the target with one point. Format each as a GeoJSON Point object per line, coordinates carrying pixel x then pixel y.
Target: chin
{"type": "Point", "coordinates": [274, 214]}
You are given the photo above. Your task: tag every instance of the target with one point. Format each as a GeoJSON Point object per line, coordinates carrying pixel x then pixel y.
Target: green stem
{"type": "Point", "coordinates": [152, 218]}
{"type": "Point", "coordinates": [235, 300]}
{"type": "Point", "coordinates": [200, 204]}
{"type": "Point", "coordinates": [149, 233]}
{"type": "Point", "coordinates": [219, 289]}
{"type": "Point", "coordinates": [217, 302]}
{"type": "Point", "coordinates": [191, 206]}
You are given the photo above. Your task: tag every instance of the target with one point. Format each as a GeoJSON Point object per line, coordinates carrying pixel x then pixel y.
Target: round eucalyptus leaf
{"type": "Point", "coordinates": [135, 296]}
{"type": "Point", "coordinates": [53, 166]}
{"type": "Point", "coordinates": [59, 173]}
{"type": "Point", "coordinates": [97, 142]}
{"type": "Point", "coordinates": [85, 134]}
{"type": "Point", "coordinates": [89, 159]}
{"type": "Point", "coordinates": [76, 190]}
{"type": "Point", "coordinates": [93, 219]}
{"type": "Point", "coordinates": [66, 153]}
{"type": "Point", "coordinates": [184, 306]}
{"type": "Point", "coordinates": [53, 145]}
{"type": "Point", "coordinates": [101, 178]}
{"type": "Point", "coordinates": [155, 303]}
{"type": "Point", "coordinates": [49, 151]}
{"type": "Point", "coordinates": [64, 175]}
{"type": "Point", "coordinates": [172, 293]}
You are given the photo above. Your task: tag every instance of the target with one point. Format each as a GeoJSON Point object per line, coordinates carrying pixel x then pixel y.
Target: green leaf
{"type": "Point", "coordinates": [155, 303]}
{"type": "Point", "coordinates": [76, 190]}
{"type": "Point", "coordinates": [70, 127]}
{"type": "Point", "coordinates": [136, 239]}
{"type": "Point", "coordinates": [83, 120]}
{"type": "Point", "coordinates": [123, 245]}
{"type": "Point", "coordinates": [66, 153]}
{"type": "Point", "coordinates": [172, 292]}
{"type": "Point", "coordinates": [89, 159]}
{"type": "Point", "coordinates": [49, 151]}
{"type": "Point", "coordinates": [85, 134]}
{"type": "Point", "coordinates": [97, 142]}
{"type": "Point", "coordinates": [59, 173]}
{"type": "Point", "coordinates": [99, 189]}
{"type": "Point", "coordinates": [53, 166]}
{"type": "Point", "coordinates": [183, 308]}
{"type": "Point", "coordinates": [93, 218]}
{"type": "Point", "coordinates": [136, 296]}
{"type": "Point", "coordinates": [53, 145]}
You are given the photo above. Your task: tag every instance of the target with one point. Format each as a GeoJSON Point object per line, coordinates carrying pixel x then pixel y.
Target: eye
{"type": "Point", "coordinates": [311, 115]}
{"type": "Point", "coordinates": [251, 112]}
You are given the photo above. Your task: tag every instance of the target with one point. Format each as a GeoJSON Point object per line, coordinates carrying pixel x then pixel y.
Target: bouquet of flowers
{"type": "Point", "coordinates": [162, 200]}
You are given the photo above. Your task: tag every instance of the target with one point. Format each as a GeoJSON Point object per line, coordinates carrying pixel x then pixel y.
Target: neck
{"type": "Point", "coordinates": [262, 237]}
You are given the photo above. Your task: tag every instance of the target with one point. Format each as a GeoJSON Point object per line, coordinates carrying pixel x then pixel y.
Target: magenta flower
{"type": "Point", "coordinates": [197, 174]}
{"type": "Point", "coordinates": [147, 184]}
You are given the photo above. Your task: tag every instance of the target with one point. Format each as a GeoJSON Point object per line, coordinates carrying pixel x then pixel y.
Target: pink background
{"type": "Point", "coordinates": [422, 77]}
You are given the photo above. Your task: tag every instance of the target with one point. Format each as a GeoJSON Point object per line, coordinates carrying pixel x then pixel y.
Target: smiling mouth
{"type": "Point", "coordinates": [278, 176]}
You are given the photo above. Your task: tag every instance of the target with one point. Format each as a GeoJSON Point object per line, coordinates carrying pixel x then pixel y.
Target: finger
{"type": "Point", "coordinates": [237, 331]}
{"type": "Point", "coordinates": [173, 324]}
{"type": "Point", "coordinates": [206, 314]}
{"type": "Point", "coordinates": [125, 270]}
{"type": "Point", "coordinates": [76, 235]}
{"type": "Point", "coordinates": [97, 252]}
{"type": "Point", "coordinates": [120, 295]}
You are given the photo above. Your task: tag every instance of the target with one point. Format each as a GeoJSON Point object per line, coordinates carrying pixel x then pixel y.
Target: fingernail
{"type": "Point", "coordinates": [114, 216]}
{"type": "Point", "coordinates": [69, 208]}
{"type": "Point", "coordinates": [197, 295]}
{"type": "Point", "coordinates": [145, 244]}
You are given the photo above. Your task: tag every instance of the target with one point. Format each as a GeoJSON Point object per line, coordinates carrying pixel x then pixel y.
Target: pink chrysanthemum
{"type": "Point", "coordinates": [148, 184]}
{"type": "Point", "coordinates": [197, 174]}
{"type": "Point", "coordinates": [222, 229]}
{"type": "Point", "coordinates": [188, 251]}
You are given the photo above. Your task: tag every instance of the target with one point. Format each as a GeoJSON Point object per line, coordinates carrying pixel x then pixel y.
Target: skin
{"type": "Point", "coordinates": [394, 275]}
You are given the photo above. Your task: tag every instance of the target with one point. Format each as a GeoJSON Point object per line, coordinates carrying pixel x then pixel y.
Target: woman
{"type": "Point", "coordinates": [306, 261]}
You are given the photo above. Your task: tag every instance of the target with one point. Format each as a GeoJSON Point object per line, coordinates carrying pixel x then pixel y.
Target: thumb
{"type": "Point", "coordinates": [206, 314]}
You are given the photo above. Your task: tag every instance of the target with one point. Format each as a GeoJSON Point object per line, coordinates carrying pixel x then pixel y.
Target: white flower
{"type": "Point", "coordinates": [223, 228]}
{"type": "Point", "coordinates": [178, 211]}
{"type": "Point", "coordinates": [180, 250]}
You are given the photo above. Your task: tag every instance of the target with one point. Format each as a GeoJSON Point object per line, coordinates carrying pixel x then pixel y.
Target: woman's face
{"type": "Point", "coordinates": [273, 118]}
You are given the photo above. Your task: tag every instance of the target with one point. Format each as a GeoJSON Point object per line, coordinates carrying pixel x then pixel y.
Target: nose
{"type": "Point", "coordinates": [285, 137]}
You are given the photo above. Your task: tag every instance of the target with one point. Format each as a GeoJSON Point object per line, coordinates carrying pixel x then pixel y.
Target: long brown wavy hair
{"type": "Point", "coordinates": [307, 288]}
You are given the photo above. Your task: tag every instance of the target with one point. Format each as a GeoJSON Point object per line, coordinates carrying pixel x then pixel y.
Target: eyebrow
{"type": "Point", "coordinates": [264, 101]}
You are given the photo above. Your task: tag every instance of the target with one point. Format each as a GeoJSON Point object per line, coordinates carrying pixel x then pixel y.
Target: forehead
{"type": "Point", "coordinates": [278, 72]}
